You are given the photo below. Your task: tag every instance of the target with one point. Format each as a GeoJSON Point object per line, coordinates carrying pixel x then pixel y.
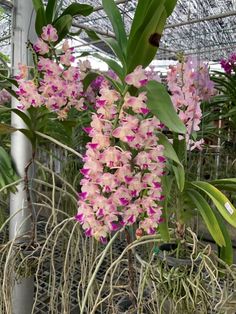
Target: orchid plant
{"type": "Point", "coordinates": [189, 84]}
{"type": "Point", "coordinates": [123, 164]}
{"type": "Point", "coordinates": [56, 83]}
{"type": "Point", "coordinates": [124, 161]}
{"type": "Point", "coordinates": [225, 82]}
{"type": "Point", "coordinates": [129, 161]}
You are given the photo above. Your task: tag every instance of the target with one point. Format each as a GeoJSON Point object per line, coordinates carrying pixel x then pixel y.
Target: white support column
{"type": "Point", "coordinates": [21, 150]}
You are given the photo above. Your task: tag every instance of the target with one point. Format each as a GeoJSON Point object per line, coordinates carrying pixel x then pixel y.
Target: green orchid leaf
{"type": "Point", "coordinates": [40, 20]}
{"type": "Point", "coordinates": [228, 184]}
{"type": "Point", "coordinates": [179, 176]}
{"type": "Point", "coordinates": [167, 182]}
{"type": "Point", "coordinates": [115, 18]}
{"type": "Point", "coordinates": [91, 76]}
{"type": "Point", "coordinates": [143, 45]}
{"type": "Point", "coordinates": [5, 158]}
{"type": "Point", "coordinates": [51, 10]}
{"type": "Point", "coordinates": [24, 117]}
{"type": "Point", "coordinates": [12, 92]}
{"type": "Point", "coordinates": [115, 47]}
{"type": "Point", "coordinates": [140, 14]}
{"type": "Point", "coordinates": [160, 104]}
{"type": "Point", "coordinates": [75, 9]}
{"type": "Point", "coordinates": [7, 172]}
{"type": "Point", "coordinates": [9, 80]}
{"type": "Point", "coordinates": [30, 135]}
{"type": "Point", "coordinates": [223, 182]}
{"type": "Point", "coordinates": [169, 6]}
{"type": "Point", "coordinates": [146, 31]}
{"type": "Point", "coordinates": [208, 216]}
{"type": "Point", "coordinates": [63, 25]}
{"type": "Point", "coordinates": [169, 150]}
{"type": "Point", "coordinates": [222, 203]}
{"type": "Point", "coordinates": [92, 35]}
{"type": "Point", "coordinates": [180, 148]}
{"type": "Point", "coordinates": [112, 64]}
{"type": "Point", "coordinates": [38, 4]}
{"type": "Point", "coordinates": [6, 129]}
{"type": "Point", "coordinates": [84, 54]}
{"type": "Point", "coordinates": [226, 252]}
{"type": "Point", "coordinates": [117, 85]}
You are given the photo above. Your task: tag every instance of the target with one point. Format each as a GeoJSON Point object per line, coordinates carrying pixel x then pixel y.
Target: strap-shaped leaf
{"type": "Point", "coordinates": [38, 4]}
{"type": "Point", "coordinates": [92, 34]}
{"type": "Point", "coordinates": [115, 18]}
{"type": "Point", "coordinates": [63, 25]}
{"type": "Point", "coordinates": [89, 78]}
{"type": "Point", "coordinates": [180, 148]}
{"type": "Point", "coordinates": [6, 129]}
{"type": "Point", "coordinates": [222, 203]}
{"type": "Point", "coordinates": [167, 182]}
{"type": "Point", "coordinates": [7, 172]}
{"type": "Point", "coordinates": [146, 30]}
{"type": "Point", "coordinates": [115, 47]}
{"type": "Point", "coordinates": [24, 117]}
{"type": "Point", "coordinates": [226, 252]}
{"type": "Point", "coordinates": [78, 9]}
{"type": "Point", "coordinates": [169, 150]}
{"type": "Point", "coordinates": [221, 182]}
{"type": "Point", "coordinates": [40, 21]}
{"type": "Point", "coordinates": [228, 184]}
{"type": "Point", "coordinates": [160, 104]}
{"type": "Point", "coordinates": [4, 158]}
{"type": "Point", "coordinates": [112, 64]}
{"type": "Point", "coordinates": [50, 10]}
{"type": "Point", "coordinates": [179, 176]}
{"type": "Point", "coordinates": [140, 14]}
{"type": "Point", "coordinates": [142, 46]}
{"type": "Point", "coordinates": [30, 135]}
{"type": "Point", "coordinates": [208, 216]}
{"type": "Point", "coordinates": [169, 6]}
{"type": "Point", "coordinates": [117, 85]}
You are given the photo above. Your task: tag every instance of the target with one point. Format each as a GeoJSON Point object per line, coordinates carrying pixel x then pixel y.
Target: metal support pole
{"type": "Point", "coordinates": [21, 150]}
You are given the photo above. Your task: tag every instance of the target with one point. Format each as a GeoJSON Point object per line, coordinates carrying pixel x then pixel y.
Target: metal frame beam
{"type": "Point", "coordinates": [6, 3]}
{"type": "Point", "coordinates": [203, 19]}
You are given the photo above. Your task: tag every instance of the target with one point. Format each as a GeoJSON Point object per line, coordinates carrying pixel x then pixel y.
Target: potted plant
{"type": "Point", "coordinates": [183, 255]}
{"type": "Point", "coordinates": [187, 82]}
{"type": "Point", "coordinates": [116, 158]}
{"type": "Point", "coordinates": [124, 170]}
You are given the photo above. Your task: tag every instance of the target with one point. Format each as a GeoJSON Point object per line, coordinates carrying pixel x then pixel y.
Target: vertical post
{"type": "Point", "coordinates": [21, 150]}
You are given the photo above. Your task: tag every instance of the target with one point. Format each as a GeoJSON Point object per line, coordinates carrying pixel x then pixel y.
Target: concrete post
{"type": "Point", "coordinates": [21, 150]}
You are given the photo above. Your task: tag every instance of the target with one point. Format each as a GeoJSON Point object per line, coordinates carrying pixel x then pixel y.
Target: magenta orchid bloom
{"type": "Point", "coordinates": [123, 165]}
{"type": "Point", "coordinates": [41, 47]}
{"type": "Point", "coordinates": [137, 78]}
{"type": "Point", "coordinates": [60, 85]}
{"type": "Point", "coordinates": [49, 33]}
{"type": "Point", "coordinates": [190, 84]}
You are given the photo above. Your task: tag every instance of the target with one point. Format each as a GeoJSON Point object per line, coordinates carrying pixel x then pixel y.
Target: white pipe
{"type": "Point", "coordinates": [21, 150]}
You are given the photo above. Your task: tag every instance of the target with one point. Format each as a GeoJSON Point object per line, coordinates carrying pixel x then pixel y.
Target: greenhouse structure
{"type": "Point", "coordinates": [117, 157]}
